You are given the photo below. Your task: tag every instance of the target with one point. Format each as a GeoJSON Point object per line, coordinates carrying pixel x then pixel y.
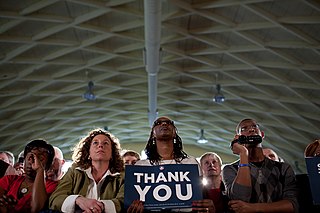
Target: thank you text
{"type": "Point", "coordinates": [164, 186]}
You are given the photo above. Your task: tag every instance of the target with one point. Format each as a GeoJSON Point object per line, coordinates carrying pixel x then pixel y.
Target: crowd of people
{"type": "Point", "coordinates": [259, 181]}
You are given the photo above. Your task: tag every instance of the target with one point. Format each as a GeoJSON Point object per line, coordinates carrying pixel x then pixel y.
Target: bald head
{"type": "Point", "coordinates": [55, 171]}
{"type": "Point", "coordinates": [58, 153]}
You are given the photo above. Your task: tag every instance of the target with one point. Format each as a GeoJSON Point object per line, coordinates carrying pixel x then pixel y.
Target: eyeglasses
{"type": "Point", "coordinates": [247, 128]}
{"type": "Point", "coordinates": [159, 122]}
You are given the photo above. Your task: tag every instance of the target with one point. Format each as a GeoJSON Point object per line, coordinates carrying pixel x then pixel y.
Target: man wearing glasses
{"type": "Point", "coordinates": [255, 183]}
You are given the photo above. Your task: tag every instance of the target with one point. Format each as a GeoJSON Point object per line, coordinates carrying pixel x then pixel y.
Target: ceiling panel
{"type": "Point", "coordinates": [265, 55]}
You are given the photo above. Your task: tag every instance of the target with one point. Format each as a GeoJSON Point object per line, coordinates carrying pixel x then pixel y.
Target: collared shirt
{"type": "Point", "coordinates": [93, 192]}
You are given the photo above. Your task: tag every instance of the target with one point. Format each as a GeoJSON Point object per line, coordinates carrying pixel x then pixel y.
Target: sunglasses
{"type": "Point", "coordinates": [159, 122]}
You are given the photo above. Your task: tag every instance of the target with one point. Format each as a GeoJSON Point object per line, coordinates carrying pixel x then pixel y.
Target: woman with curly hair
{"type": "Point", "coordinates": [94, 182]}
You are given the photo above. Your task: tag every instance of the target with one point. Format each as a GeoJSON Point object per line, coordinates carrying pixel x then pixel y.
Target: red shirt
{"type": "Point", "coordinates": [216, 196]}
{"type": "Point", "coordinates": [11, 185]}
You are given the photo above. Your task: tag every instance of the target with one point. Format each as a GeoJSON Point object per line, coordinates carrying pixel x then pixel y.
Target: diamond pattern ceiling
{"type": "Point", "coordinates": [265, 54]}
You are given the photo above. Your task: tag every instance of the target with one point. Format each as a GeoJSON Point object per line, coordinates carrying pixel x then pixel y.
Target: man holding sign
{"type": "Point", "coordinates": [169, 179]}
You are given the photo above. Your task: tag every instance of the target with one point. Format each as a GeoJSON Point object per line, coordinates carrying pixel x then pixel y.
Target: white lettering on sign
{"type": "Point", "coordinates": [150, 178]}
{"type": "Point", "coordinates": [161, 177]}
{"type": "Point", "coordinates": [138, 176]}
{"type": "Point", "coordinates": [167, 194]}
{"type": "Point", "coordinates": [318, 168]}
{"type": "Point", "coordinates": [184, 197]}
{"type": "Point", "coordinates": [142, 192]}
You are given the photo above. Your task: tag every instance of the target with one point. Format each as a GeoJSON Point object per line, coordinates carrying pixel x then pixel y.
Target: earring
{"type": "Point", "coordinates": [89, 157]}
{"type": "Point", "coordinates": [174, 141]}
{"type": "Point", "coordinates": [154, 141]}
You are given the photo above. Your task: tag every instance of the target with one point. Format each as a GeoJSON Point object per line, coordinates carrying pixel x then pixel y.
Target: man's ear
{"type": "Point", "coordinates": [262, 134]}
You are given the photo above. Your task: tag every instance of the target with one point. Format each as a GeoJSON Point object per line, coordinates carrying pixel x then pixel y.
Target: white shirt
{"type": "Point", "coordinates": [93, 192]}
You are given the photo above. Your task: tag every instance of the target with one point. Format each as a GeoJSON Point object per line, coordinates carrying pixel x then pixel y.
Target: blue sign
{"type": "Point", "coordinates": [313, 168]}
{"type": "Point", "coordinates": [170, 186]}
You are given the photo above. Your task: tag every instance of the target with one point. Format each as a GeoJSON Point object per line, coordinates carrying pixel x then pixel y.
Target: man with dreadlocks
{"type": "Point", "coordinates": [165, 147]}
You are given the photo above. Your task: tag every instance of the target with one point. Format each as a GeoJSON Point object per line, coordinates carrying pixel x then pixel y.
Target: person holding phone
{"type": "Point", "coordinates": [255, 183]}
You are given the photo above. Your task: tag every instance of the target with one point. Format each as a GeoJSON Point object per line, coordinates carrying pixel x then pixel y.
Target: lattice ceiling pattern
{"type": "Point", "coordinates": [265, 54]}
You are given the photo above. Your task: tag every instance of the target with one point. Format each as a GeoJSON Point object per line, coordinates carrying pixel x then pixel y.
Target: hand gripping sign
{"type": "Point", "coordinates": [171, 186]}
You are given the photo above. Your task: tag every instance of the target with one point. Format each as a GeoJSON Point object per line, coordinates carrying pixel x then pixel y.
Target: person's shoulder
{"type": "Point", "coordinates": [283, 167]}
{"type": "Point", "coordinates": [16, 177]}
{"type": "Point", "coordinates": [7, 177]}
{"type": "Point", "coordinates": [10, 179]}
{"type": "Point", "coordinates": [232, 164]}
{"type": "Point", "coordinates": [189, 160]}
{"type": "Point", "coordinates": [119, 176]}
{"type": "Point", "coordinates": [284, 163]}
{"type": "Point", "coordinates": [74, 166]}
{"type": "Point", "coordinates": [51, 183]}
{"type": "Point", "coordinates": [143, 163]}
{"type": "Point", "coordinates": [277, 163]}
{"type": "Point", "coordinates": [74, 170]}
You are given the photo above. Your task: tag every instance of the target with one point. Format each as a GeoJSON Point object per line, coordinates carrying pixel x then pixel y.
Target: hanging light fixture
{"type": "Point", "coordinates": [89, 95]}
{"type": "Point", "coordinates": [219, 97]}
{"type": "Point", "coordinates": [202, 139]}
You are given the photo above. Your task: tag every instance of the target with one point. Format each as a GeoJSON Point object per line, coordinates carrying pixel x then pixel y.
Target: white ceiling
{"type": "Point", "coordinates": [264, 53]}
